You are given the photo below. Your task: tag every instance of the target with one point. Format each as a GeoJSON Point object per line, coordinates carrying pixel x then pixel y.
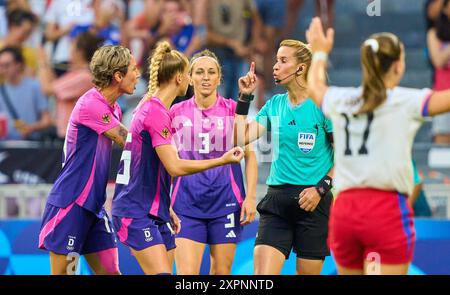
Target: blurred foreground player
{"type": "Point", "coordinates": [371, 225]}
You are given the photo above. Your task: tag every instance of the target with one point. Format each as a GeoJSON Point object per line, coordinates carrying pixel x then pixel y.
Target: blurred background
{"type": "Point", "coordinates": [46, 47]}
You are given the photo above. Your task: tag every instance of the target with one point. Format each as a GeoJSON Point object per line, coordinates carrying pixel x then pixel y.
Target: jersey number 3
{"type": "Point", "coordinates": [363, 149]}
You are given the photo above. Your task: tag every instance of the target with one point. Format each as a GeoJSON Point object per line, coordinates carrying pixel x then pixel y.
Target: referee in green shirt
{"type": "Point", "coordinates": [294, 213]}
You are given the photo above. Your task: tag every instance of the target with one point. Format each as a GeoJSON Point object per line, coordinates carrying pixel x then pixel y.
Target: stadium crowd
{"type": "Point", "coordinates": [46, 47]}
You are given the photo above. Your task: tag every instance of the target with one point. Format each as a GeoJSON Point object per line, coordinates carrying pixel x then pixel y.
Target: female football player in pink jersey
{"type": "Point", "coordinates": [371, 225]}
{"type": "Point", "coordinates": [141, 206]}
{"type": "Point", "coordinates": [75, 222]}
{"type": "Point", "coordinates": [212, 205]}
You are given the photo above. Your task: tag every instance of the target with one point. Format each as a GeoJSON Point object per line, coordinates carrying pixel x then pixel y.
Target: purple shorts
{"type": "Point", "coordinates": [221, 230]}
{"type": "Point", "coordinates": [76, 230]}
{"type": "Point", "coordinates": [145, 232]}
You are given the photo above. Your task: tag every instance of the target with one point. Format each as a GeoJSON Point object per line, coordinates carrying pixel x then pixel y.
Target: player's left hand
{"type": "Point", "coordinates": [309, 199]}
{"type": "Point", "coordinates": [176, 223]}
{"type": "Point", "coordinates": [248, 210]}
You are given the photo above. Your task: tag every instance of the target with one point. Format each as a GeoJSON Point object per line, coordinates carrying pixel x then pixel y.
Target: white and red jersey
{"type": "Point", "coordinates": [374, 149]}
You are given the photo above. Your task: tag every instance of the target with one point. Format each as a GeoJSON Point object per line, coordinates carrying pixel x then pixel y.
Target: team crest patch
{"type": "Point", "coordinates": [306, 141]}
{"type": "Point", "coordinates": [106, 118]}
{"type": "Point", "coordinates": [165, 133]}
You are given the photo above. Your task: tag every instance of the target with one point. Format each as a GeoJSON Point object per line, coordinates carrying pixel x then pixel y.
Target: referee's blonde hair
{"type": "Point", "coordinates": [165, 63]}
{"type": "Point", "coordinates": [303, 53]}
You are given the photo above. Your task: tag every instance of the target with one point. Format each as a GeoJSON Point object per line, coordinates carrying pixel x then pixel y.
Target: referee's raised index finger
{"type": "Point", "coordinates": [252, 67]}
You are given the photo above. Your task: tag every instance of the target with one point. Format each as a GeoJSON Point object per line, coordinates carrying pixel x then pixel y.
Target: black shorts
{"type": "Point", "coordinates": [285, 226]}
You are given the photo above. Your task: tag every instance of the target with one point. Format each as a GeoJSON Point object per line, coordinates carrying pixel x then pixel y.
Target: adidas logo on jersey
{"type": "Point", "coordinates": [292, 123]}
{"type": "Point", "coordinates": [231, 234]}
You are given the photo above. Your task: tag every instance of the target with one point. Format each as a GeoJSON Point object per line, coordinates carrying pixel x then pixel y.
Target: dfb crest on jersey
{"type": "Point", "coordinates": [165, 133]}
{"type": "Point", "coordinates": [106, 118]}
{"type": "Point", "coordinates": [306, 141]}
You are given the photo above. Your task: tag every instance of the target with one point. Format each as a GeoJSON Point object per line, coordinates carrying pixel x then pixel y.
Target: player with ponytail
{"type": "Point", "coordinates": [141, 210]}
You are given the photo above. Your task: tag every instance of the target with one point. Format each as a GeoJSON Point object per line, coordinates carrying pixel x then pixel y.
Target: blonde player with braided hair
{"type": "Point", "coordinates": [141, 207]}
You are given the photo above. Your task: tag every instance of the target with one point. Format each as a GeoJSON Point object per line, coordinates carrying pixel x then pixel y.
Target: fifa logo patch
{"type": "Point", "coordinates": [106, 118]}
{"type": "Point", "coordinates": [306, 141]}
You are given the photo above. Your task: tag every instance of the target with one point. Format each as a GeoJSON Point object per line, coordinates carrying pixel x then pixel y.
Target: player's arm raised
{"type": "Point", "coordinates": [439, 103]}
{"type": "Point", "coordinates": [321, 46]}
{"type": "Point", "coordinates": [118, 134]}
{"type": "Point", "coordinates": [168, 155]}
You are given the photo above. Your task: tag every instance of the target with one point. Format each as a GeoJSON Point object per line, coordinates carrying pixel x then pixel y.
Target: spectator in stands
{"type": "Point", "coordinates": [60, 18]}
{"type": "Point", "coordinates": [180, 22]}
{"type": "Point", "coordinates": [3, 22]}
{"type": "Point", "coordinates": [173, 24]}
{"type": "Point", "coordinates": [182, 34]}
{"type": "Point", "coordinates": [433, 10]}
{"type": "Point", "coordinates": [182, 30]}
{"type": "Point", "coordinates": [18, 4]}
{"type": "Point", "coordinates": [158, 20]}
{"type": "Point", "coordinates": [198, 11]}
{"type": "Point", "coordinates": [273, 15]}
{"type": "Point", "coordinates": [439, 49]}
{"type": "Point", "coordinates": [74, 83]}
{"type": "Point", "coordinates": [108, 21]}
{"type": "Point", "coordinates": [324, 10]}
{"type": "Point", "coordinates": [144, 27]}
{"type": "Point", "coordinates": [20, 27]}
{"type": "Point", "coordinates": [228, 27]}
{"type": "Point", "coordinates": [21, 98]}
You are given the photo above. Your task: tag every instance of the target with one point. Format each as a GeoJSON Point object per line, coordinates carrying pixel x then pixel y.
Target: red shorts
{"type": "Point", "coordinates": [371, 224]}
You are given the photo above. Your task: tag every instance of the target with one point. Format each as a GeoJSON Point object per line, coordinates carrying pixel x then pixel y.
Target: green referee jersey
{"type": "Point", "coordinates": [302, 152]}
